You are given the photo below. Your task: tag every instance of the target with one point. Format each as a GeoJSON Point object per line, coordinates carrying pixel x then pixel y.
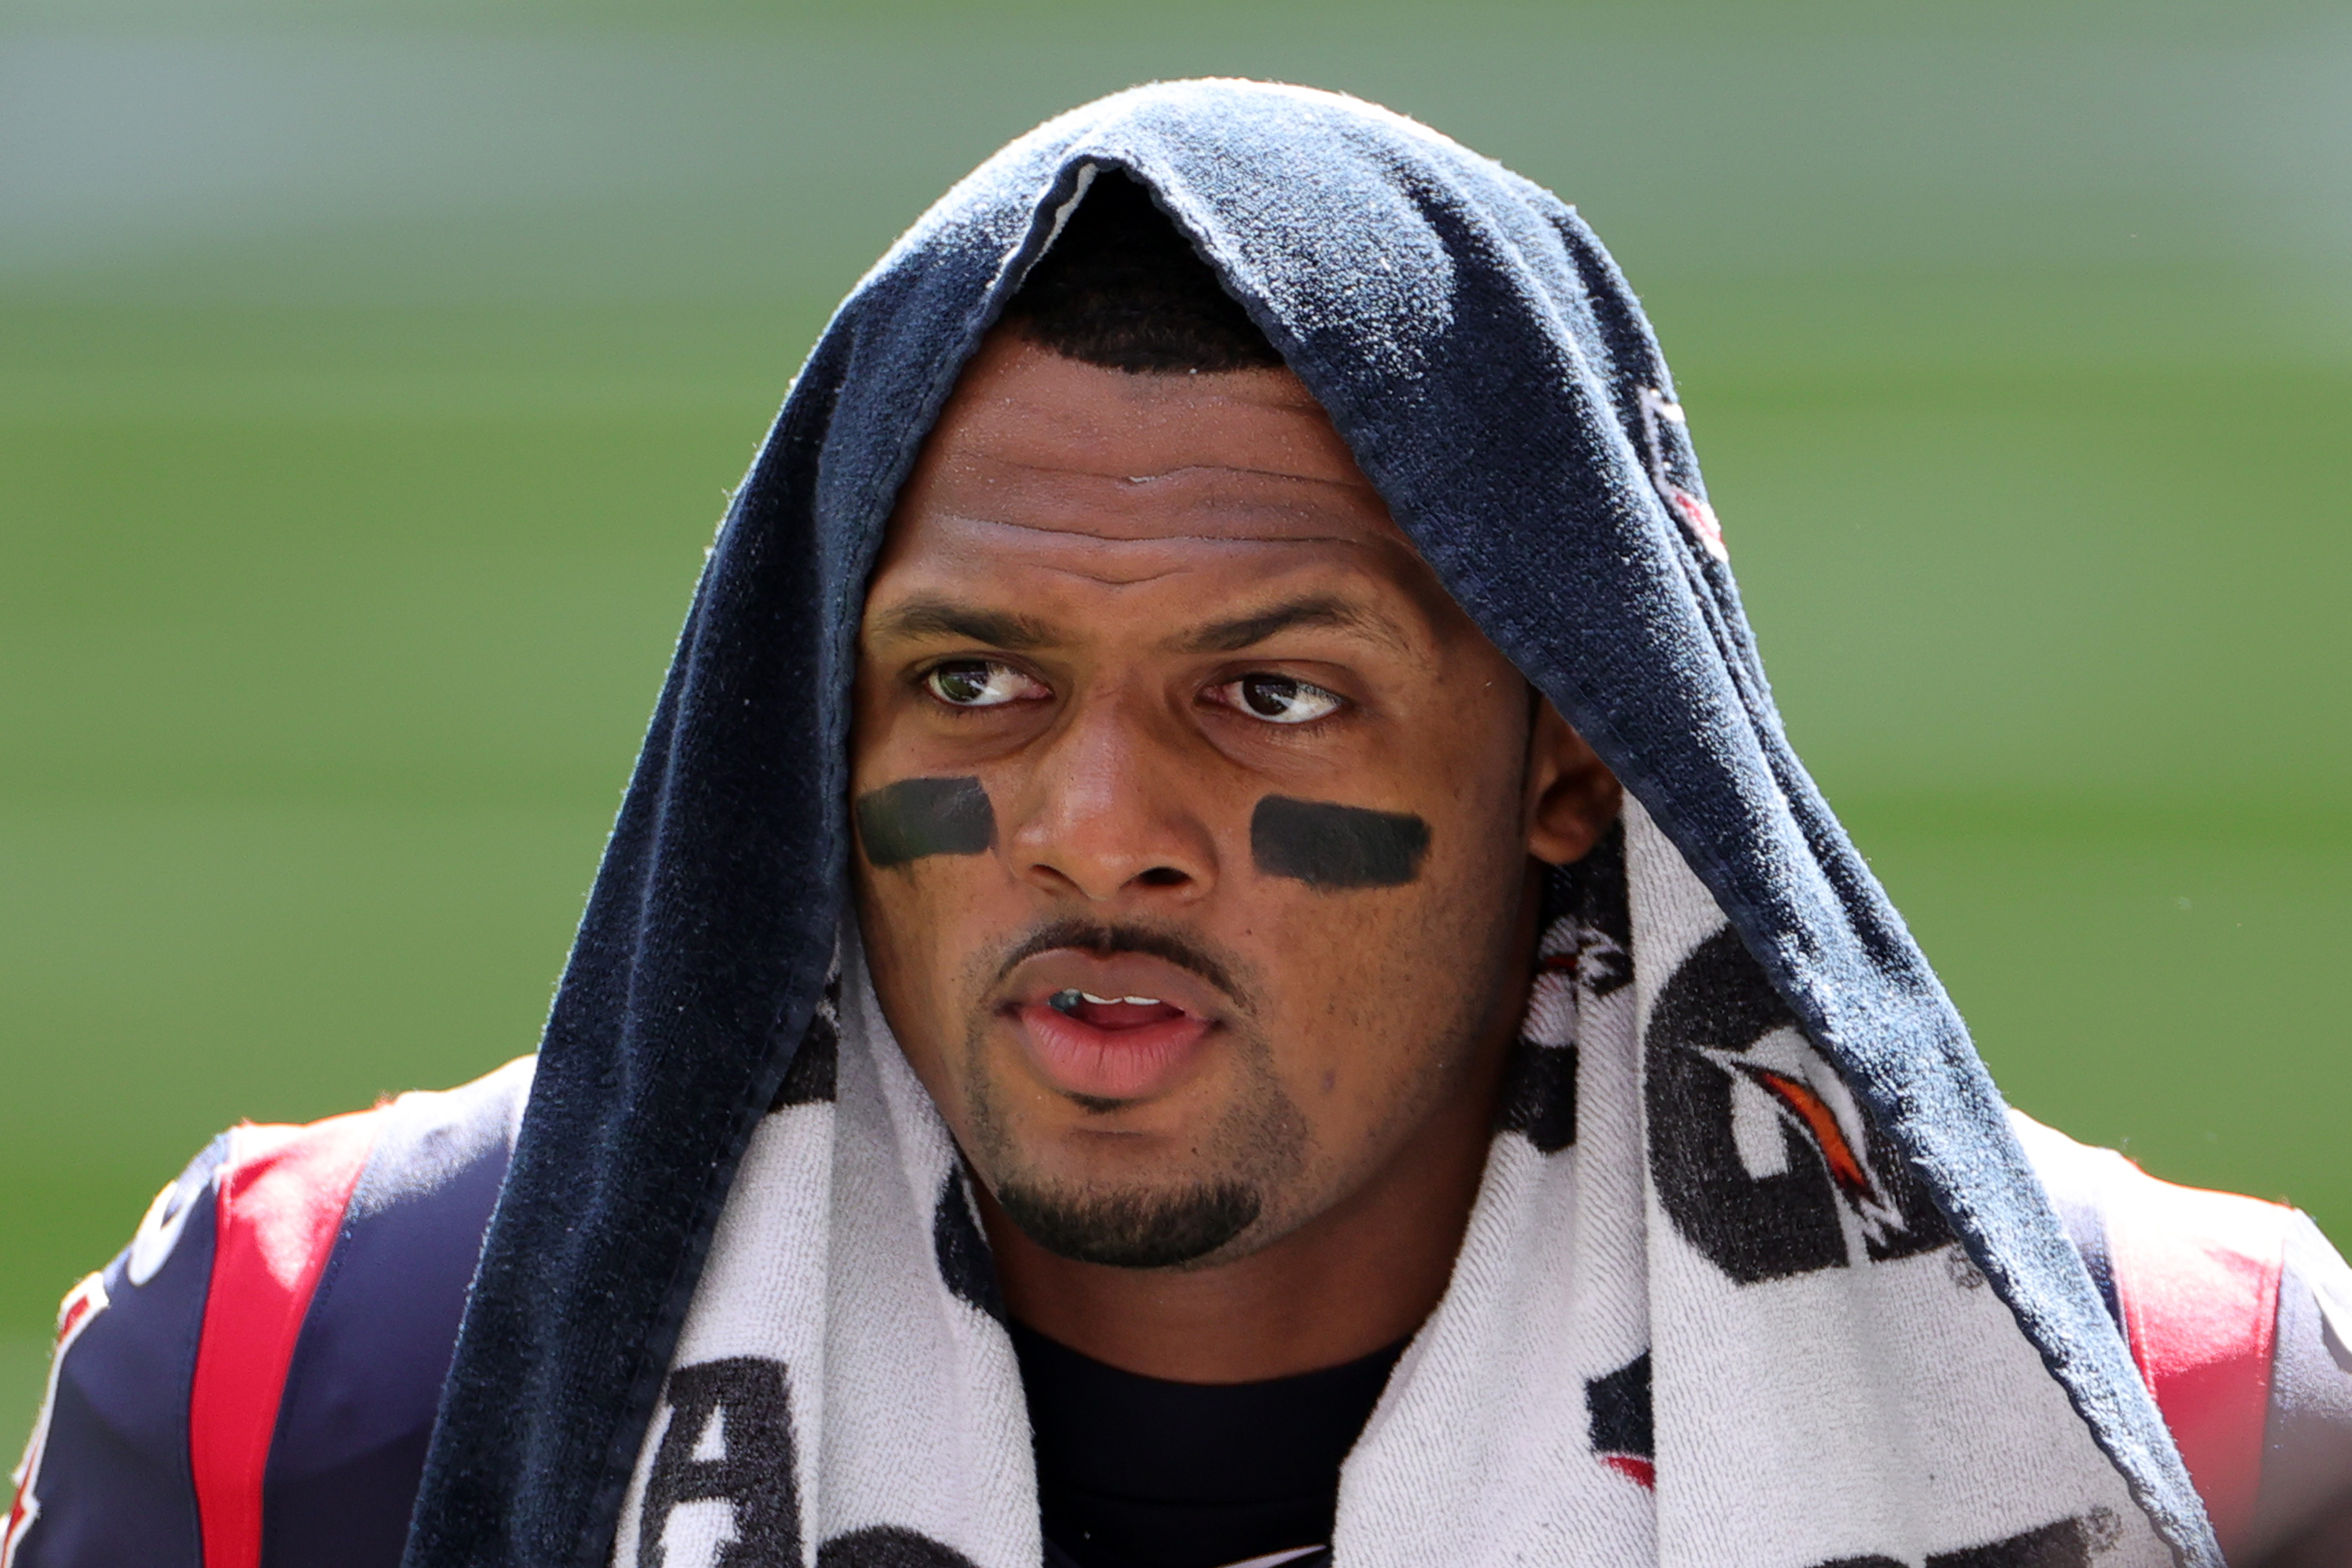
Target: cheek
{"type": "Point", "coordinates": [1388, 994]}
{"type": "Point", "coordinates": [923, 940]}
{"type": "Point", "coordinates": [919, 843]}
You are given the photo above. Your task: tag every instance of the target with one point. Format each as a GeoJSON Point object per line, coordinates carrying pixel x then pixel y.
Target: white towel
{"type": "Point", "coordinates": [1697, 1319]}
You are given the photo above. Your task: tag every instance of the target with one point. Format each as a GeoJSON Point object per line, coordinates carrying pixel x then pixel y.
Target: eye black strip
{"type": "Point", "coordinates": [915, 818]}
{"type": "Point", "coordinates": [1332, 847]}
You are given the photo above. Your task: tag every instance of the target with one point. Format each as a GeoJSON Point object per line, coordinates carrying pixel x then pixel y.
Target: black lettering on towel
{"type": "Point", "coordinates": [1715, 1008]}
{"type": "Point", "coordinates": [1618, 1419]}
{"type": "Point", "coordinates": [1539, 1100]}
{"type": "Point", "coordinates": [2069, 1544]}
{"type": "Point", "coordinates": [889, 1546]}
{"type": "Point", "coordinates": [2066, 1544]}
{"type": "Point", "coordinates": [916, 817]}
{"type": "Point", "coordinates": [1327, 845]}
{"type": "Point", "coordinates": [746, 1396]}
{"type": "Point", "coordinates": [966, 1265]}
{"type": "Point", "coordinates": [810, 1079]}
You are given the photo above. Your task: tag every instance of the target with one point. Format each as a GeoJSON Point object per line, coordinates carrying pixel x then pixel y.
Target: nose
{"type": "Point", "coordinates": [1107, 816]}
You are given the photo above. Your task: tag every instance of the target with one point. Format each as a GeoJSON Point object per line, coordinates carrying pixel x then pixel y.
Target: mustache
{"type": "Point", "coordinates": [1105, 938]}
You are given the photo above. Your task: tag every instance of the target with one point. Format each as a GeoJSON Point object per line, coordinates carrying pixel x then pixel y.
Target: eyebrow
{"type": "Point", "coordinates": [930, 619]}
{"type": "Point", "coordinates": [1322, 610]}
{"type": "Point", "coordinates": [946, 618]}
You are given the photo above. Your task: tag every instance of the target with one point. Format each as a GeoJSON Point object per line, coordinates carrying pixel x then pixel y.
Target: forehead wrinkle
{"type": "Point", "coordinates": [1243, 524]}
{"type": "Point", "coordinates": [972, 520]}
{"type": "Point", "coordinates": [1102, 493]}
{"type": "Point", "coordinates": [1117, 474]}
{"type": "Point", "coordinates": [1121, 466]}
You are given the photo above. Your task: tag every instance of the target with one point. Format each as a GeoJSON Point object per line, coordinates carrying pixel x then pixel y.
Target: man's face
{"type": "Point", "coordinates": [1193, 816]}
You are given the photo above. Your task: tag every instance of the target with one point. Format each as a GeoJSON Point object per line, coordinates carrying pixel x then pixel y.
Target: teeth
{"type": "Point", "coordinates": [1065, 1000]}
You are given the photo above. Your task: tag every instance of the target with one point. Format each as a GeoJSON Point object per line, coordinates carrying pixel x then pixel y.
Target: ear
{"type": "Point", "coordinates": [1572, 797]}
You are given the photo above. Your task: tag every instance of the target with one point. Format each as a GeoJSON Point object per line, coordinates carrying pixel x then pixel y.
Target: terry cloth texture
{"type": "Point", "coordinates": [1744, 1340]}
{"type": "Point", "coordinates": [1497, 381]}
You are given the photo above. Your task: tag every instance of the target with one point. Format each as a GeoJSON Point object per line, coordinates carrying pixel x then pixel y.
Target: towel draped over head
{"type": "Point", "coordinates": [1781, 1044]}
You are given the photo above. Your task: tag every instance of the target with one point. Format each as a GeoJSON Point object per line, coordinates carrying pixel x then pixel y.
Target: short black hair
{"type": "Point", "coordinates": [1122, 287]}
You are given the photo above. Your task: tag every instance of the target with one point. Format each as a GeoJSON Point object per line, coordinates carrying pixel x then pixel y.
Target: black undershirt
{"type": "Point", "coordinates": [1138, 1472]}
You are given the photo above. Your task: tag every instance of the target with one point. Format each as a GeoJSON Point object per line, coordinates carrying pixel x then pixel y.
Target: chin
{"type": "Point", "coordinates": [1164, 1225]}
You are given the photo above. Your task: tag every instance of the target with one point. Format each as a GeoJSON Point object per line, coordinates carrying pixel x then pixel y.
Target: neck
{"type": "Point", "coordinates": [1361, 1275]}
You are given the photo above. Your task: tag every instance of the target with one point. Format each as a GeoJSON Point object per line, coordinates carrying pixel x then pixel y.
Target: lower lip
{"type": "Point", "coordinates": [1109, 1063]}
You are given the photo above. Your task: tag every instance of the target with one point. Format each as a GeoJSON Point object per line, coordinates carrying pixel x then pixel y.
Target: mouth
{"type": "Point", "coordinates": [1122, 1027]}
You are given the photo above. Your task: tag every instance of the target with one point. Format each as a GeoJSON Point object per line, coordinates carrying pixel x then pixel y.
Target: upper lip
{"type": "Point", "coordinates": [1115, 975]}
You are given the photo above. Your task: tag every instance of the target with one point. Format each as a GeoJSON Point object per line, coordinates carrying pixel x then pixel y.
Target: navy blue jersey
{"type": "Point", "coordinates": [252, 1381]}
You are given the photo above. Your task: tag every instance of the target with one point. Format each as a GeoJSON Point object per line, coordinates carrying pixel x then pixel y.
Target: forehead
{"type": "Point", "coordinates": [1041, 464]}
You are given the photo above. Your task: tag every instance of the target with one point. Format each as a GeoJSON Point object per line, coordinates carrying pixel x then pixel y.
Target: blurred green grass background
{"type": "Point", "coordinates": [372, 376]}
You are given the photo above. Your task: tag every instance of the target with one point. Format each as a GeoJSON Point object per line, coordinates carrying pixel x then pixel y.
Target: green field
{"type": "Point", "coordinates": [353, 478]}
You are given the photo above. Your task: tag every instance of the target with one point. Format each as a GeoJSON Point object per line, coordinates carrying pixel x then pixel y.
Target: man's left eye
{"type": "Point", "coordinates": [1279, 698]}
{"type": "Point", "coordinates": [979, 683]}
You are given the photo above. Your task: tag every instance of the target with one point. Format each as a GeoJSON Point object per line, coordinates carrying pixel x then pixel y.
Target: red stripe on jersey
{"type": "Point", "coordinates": [83, 1302]}
{"type": "Point", "coordinates": [281, 1196]}
{"type": "Point", "coordinates": [2197, 1277]}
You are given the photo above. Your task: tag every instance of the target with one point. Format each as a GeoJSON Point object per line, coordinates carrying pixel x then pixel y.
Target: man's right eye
{"type": "Point", "coordinates": [981, 683]}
